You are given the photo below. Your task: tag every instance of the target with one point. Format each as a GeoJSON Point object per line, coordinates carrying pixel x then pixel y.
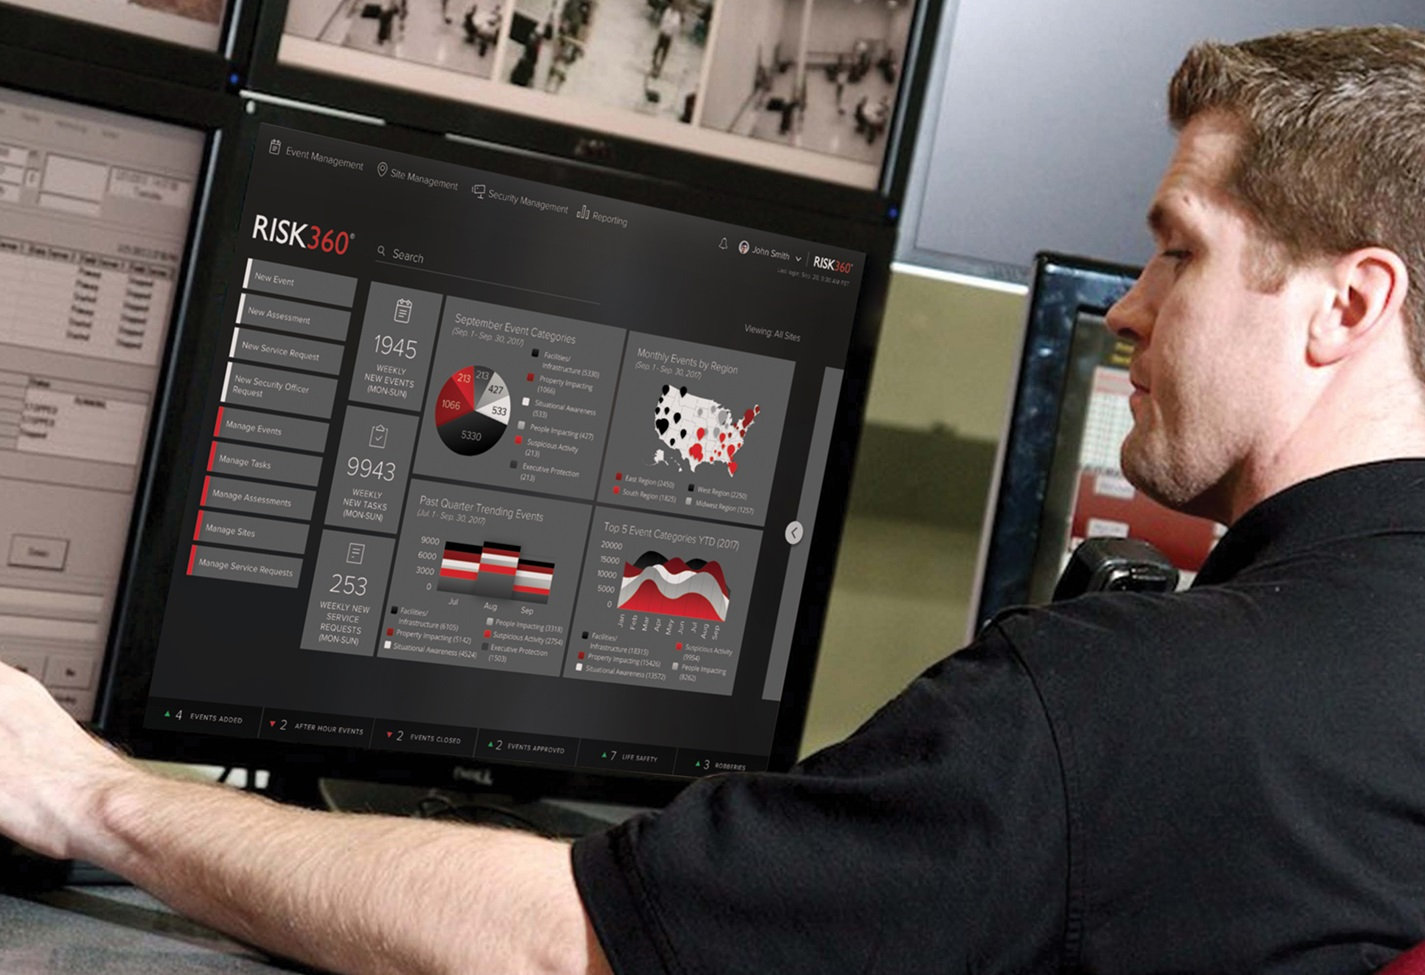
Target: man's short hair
{"type": "Point", "coordinates": [1332, 156]}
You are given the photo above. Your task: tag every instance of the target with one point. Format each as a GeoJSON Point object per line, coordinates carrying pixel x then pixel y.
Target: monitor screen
{"type": "Point", "coordinates": [193, 23]}
{"type": "Point", "coordinates": [94, 219]}
{"type": "Point", "coordinates": [807, 87]}
{"type": "Point", "coordinates": [510, 462]}
{"type": "Point", "coordinates": [1059, 480]}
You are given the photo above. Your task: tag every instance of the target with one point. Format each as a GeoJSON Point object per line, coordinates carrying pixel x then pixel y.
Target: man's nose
{"type": "Point", "coordinates": [1131, 316]}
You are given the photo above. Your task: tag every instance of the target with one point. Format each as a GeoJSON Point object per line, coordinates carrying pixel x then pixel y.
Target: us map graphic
{"type": "Point", "coordinates": [699, 430]}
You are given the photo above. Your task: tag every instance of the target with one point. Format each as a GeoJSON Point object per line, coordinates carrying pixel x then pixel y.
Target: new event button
{"type": "Point", "coordinates": [37, 552]}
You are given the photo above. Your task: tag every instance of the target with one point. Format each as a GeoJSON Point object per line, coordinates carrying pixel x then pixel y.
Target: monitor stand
{"type": "Point", "coordinates": [564, 820]}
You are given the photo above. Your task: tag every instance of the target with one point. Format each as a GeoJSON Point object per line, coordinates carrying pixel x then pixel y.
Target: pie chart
{"type": "Point", "coordinates": [472, 410]}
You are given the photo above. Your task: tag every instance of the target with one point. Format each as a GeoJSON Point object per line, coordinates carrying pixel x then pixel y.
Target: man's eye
{"type": "Point", "coordinates": [1177, 255]}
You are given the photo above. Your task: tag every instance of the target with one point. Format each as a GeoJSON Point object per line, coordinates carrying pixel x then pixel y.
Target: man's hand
{"type": "Point", "coordinates": [346, 893]}
{"type": "Point", "coordinates": [52, 772]}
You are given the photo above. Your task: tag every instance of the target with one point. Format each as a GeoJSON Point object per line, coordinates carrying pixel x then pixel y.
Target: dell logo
{"type": "Point", "coordinates": [479, 776]}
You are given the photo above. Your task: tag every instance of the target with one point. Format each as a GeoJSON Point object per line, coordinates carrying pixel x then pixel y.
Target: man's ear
{"type": "Point", "coordinates": [1368, 291]}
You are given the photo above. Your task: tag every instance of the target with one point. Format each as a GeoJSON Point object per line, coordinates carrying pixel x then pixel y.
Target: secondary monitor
{"type": "Point", "coordinates": [191, 23]}
{"type": "Point", "coordinates": [95, 210]}
{"type": "Point", "coordinates": [482, 463]}
{"type": "Point", "coordinates": [1059, 479]}
{"type": "Point", "coordinates": [809, 89]}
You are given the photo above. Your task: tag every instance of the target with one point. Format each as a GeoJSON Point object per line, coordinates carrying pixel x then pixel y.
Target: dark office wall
{"type": "Point", "coordinates": [1044, 127]}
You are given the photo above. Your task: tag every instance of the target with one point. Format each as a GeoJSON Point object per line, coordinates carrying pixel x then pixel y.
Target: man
{"type": "Point", "coordinates": [1230, 779]}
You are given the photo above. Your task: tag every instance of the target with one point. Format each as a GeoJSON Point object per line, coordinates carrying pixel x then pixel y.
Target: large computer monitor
{"type": "Point", "coordinates": [488, 468]}
{"type": "Point", "coordinates": [1058, 479]}
{"type": "Point", "coordinates": [777, 97]}
{"type": "Point", "coordinates": [96, 208]}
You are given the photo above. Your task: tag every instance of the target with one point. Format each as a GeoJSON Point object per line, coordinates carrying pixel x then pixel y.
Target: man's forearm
{"type": "Point", "coordinates": [350, 893]}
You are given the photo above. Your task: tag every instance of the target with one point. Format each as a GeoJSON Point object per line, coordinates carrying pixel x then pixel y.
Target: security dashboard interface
{"type": "Point", "coordinates": [94, 214]}
{"type": "Point", "coordinates": [495, 468]}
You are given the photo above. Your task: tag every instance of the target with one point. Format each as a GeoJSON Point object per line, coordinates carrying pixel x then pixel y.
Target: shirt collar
{"type": "Point", "coordinates": [1385, 496]}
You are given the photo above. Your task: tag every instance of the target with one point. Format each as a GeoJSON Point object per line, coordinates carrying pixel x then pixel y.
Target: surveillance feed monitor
{"type": "Point", "coordinates": [497, 468]}
{"type": "Point", "coordinates": [94, 214]}
{"type": "Point", "coordinates": [807, 87]}
{"type": "Point", "coordinates": [192, 23]}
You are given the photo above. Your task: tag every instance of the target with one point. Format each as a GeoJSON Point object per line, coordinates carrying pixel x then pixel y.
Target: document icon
{"type": "Point", "coordinates": [378, 436]}
{"type": "Point", "coordinates": [403, 310]}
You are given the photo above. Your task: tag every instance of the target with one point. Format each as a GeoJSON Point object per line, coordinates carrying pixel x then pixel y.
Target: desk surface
{"type": "Point", "coordinates": [114, 931]}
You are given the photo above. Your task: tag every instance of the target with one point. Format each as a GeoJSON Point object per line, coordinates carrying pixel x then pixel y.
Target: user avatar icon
{"type": "Point", "coordinates": [743, 247]}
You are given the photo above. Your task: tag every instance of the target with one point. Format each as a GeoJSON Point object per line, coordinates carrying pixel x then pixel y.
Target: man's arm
{"type": "Point", "coordinates": [348, 893]}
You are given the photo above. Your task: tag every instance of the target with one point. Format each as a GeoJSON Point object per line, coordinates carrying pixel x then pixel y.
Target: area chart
{"type": "Point", "coordinates": [672, 587]}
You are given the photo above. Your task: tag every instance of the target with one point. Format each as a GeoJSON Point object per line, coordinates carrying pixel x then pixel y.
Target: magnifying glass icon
{"type": "Point", "coordinates": [381, 250]}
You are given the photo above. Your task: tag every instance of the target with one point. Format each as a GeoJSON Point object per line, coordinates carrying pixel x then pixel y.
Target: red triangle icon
{"type": "Point", "coordinates": [388, 734]}
{"type": "Point", "coordinates": [272, 724]}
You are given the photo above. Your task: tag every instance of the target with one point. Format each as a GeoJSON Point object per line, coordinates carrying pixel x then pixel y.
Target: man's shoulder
{"type": "Point", "coordinates": [1101, 622]}
{"type": "Point", "coordinates": [1101, 643]}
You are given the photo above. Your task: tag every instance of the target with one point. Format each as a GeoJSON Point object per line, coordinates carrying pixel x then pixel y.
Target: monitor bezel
{"type": "Point", "coordinates": [128, 669]}
{"type": "Point", "coordinates": [433, 114]}
{"type": "Point", "coordinates": [135, 55]}
{"type": "Point", "coordinates": [1062, 287]}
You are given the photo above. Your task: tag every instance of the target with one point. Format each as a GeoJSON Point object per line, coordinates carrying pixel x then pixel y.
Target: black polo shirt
{"type": "Point", "coordinates": [1229, 779]}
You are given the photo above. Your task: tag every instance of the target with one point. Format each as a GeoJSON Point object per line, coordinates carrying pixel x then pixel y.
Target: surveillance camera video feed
{"type": "Point", "coordinates": [802, 86]}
